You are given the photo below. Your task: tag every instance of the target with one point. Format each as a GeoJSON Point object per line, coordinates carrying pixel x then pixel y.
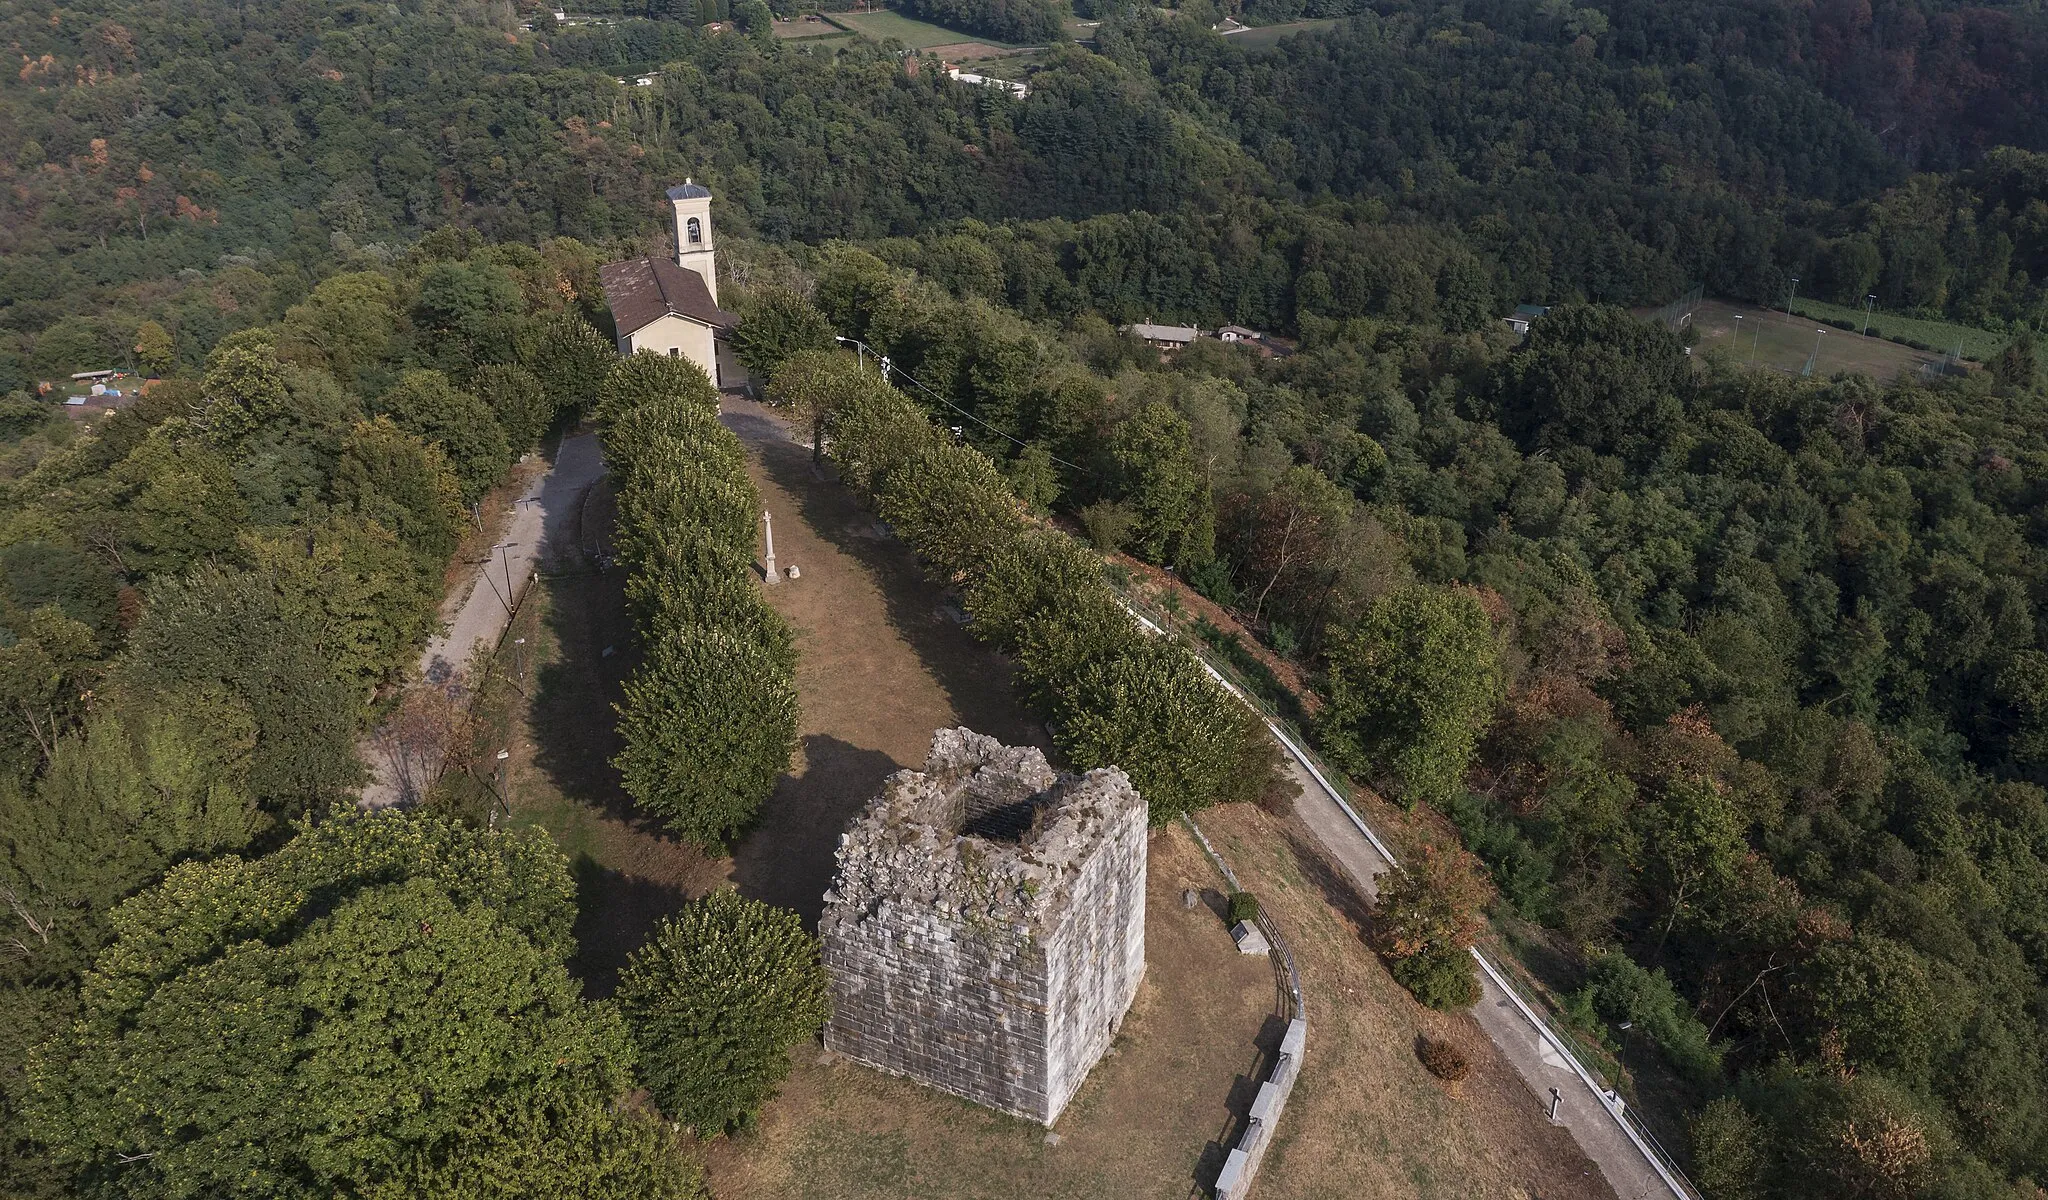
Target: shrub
{"type": "Point", "coordinates": [1620, 991]}
{"type": "Point", "coordinates": [1110, 525]}
{"type": "Point", "coordinates": [1442, 1058]}
{"type": "Point", "coordinates": [715, 1001]}
{"type": "Point", "coordinates": [1441, 977]}
{"type": "Point", "coordinates": [1243, 907]}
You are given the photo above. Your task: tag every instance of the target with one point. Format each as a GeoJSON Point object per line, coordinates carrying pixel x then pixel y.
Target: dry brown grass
{"type": "Point", "coordinates": [1367, 1121]}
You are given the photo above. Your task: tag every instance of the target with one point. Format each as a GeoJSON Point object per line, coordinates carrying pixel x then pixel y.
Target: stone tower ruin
{"type": "Point", "coordinates": [986, 930]}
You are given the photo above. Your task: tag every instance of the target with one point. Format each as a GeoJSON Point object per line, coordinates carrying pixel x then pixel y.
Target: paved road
{"type": "Point", "coordinates": [1533, 1056]}
{"type": "Point", "coordinates": [542, 533]}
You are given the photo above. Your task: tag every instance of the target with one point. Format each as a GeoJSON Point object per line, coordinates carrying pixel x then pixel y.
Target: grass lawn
{"type": "Point", "coordinates": [1978, 345]}
{"type": "Point", "coordinates": [1265, 37]}
{"type": "Point", "coordinates": [918, 35]}
{"type": "Point", "coordinates": [1768, 338]}
{"type": "Point", "coordinates": [808, 26]}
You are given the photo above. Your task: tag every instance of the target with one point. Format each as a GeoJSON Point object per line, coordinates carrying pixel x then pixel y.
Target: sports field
{"type": "Point", "coordinates": [1978, 345]}
{"type": "Point", "coordinates": [916, 34]}
{"type": "Point", "coordinates": [1771, 339]}
{"type": "Point", "coordinates": [810, 25]}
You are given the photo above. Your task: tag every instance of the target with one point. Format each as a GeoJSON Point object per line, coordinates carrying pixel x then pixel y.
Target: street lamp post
{"type": "Point", "coordinates": [1738, 329]}
{"type": "Point", "coordinates": [1813, 362]}
{"type": "Point", "coordinates": [1867, 302]}
{"type": "Point", "coordinates": [1791, 296]}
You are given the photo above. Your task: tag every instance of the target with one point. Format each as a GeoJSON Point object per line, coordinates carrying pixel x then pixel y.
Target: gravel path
{"type": "Point", "coordinates": [542, 533]}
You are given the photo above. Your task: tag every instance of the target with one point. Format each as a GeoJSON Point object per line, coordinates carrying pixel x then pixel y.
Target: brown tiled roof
{"type": "Point", "coordinates": [644, 290]}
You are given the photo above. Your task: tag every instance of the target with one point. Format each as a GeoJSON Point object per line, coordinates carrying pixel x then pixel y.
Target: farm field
{"type": "Point", "coordinates": [1978, 344]}
{"type": "Point", "coordinates": [918, 35]}
{"type": "Point", "coordinates": [1770, 339]}
{"type": "Point", "coordinates": [1265, 37]}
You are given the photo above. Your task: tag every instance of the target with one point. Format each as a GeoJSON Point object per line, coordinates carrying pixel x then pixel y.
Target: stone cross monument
{"type": "Point", "coordinates": [986, 930]}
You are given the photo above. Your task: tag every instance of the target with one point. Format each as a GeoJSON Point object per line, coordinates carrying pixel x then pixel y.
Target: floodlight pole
{"type": "Point", "coordinates": [1793, 295]}
{"type": "Point", "coordinates": [1867, 302]}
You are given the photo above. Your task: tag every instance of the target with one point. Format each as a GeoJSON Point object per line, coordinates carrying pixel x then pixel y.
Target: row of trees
{"type": "Point", "coordinates": [1027, 21]}
{"type": "Point", "coordinates": [709, 718]}
{"type": "Point", "coordinates": [1112, 695]}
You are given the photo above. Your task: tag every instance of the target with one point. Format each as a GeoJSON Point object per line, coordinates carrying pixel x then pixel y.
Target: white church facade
{"type": "Point", "coordinates": [672, 307]}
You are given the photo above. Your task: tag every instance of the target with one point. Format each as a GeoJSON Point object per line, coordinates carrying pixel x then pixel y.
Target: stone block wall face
{"type": "Point", "coordinates": [994, 970]}
{"type": "Point", "coordinates": [1096, 958]}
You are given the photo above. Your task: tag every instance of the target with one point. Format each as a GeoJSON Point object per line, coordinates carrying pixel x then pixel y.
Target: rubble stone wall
{"type": "Point", "coordinates": [995, 965]}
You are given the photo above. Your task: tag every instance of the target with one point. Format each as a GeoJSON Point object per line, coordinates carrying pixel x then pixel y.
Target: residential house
{"type": "Point", "coordinates": [1163, 337]}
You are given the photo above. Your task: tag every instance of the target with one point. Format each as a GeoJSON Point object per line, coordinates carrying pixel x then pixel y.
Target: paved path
{"type": "Point", "coordinates": [543, 532]}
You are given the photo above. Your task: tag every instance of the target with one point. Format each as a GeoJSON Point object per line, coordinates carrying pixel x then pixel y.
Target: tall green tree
{"type": "Point", "coordinates": [709, 723]}
{"type": "Point", "coordinates": [1159, 478]}
{"type": "Point", "coordinates": [1412, 685]}
{"type": "Point", "coordinates": [716, 999]}
{"type": "Point", "coordinates": [424, 403]}
{"type": "Point", "coordinates": [318, 1019]}
{"type": "Point", "coordinates": [777, 324]}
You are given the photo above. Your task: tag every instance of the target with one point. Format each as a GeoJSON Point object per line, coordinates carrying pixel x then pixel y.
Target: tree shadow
{"type": "Point", "coordinates": [615, 915]}
{"type": "Point", "coordinates": [788, 858]}
{"type": "Point", "coordinates": [1243, 1091]}
{"type": "Point", "coordinates": [574, 728]}
{"type": "Point", "coordinates": [974, 679]}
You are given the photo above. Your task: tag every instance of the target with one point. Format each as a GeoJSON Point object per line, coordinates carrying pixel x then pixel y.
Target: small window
{"type": "Point", "coordinates": [696, 231]}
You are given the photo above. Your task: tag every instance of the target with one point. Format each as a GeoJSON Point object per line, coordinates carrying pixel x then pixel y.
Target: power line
{"type": "Point", "coordinates": [889, 368]}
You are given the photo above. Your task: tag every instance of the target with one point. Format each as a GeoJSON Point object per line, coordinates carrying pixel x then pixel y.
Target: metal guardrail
{"type": "Point", "coordinates": [1654, 1154]}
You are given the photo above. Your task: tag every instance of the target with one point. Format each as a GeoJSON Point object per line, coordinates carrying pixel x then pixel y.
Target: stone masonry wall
{"type": "Point", "coordinates": [986, 930]}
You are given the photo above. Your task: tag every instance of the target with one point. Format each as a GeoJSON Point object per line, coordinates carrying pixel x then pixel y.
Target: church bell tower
{"type": "Point", "coordinates": [694, 252]}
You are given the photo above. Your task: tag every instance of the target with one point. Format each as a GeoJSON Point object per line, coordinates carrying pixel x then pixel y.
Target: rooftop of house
{"type": "Point", "coordinates": [641, 291]}
{"type": "Point", "coordinates": [1531, 310]}
{"type": "Point", "coordinates": [1164, 333]}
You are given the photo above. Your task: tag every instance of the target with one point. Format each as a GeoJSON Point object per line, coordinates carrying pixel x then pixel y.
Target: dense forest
{"type": "Point", "coordinates": [1736, 683]}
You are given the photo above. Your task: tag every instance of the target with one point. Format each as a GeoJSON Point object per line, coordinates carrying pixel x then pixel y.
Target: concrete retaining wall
{"type": "Point", "coordinates": [1235, 1182]}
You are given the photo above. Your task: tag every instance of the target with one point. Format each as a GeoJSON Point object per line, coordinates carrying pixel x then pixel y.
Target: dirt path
{"type": "Point", "coordinates": [879, 667]}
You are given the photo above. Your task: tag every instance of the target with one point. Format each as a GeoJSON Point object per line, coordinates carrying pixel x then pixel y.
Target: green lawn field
{"type": "Point", "coordinates": [1265, 37]}
{"type": "Point", "coordinates": [1768, 338]}
{"type": "Point", "coordinates": [1978, 344]}
{"type": "Point", "coordinates": [918, 35]}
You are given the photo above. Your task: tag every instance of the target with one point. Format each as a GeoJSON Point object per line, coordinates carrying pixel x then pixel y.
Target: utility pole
{"type": "Point", "coordinates": [768, 536]}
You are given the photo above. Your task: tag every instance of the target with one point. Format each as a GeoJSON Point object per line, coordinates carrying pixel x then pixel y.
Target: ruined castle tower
{"type": "Point", "coordinates": [986, 931]}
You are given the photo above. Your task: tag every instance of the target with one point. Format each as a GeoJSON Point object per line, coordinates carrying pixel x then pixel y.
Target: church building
{"type": "Point", "coordinates": [672, 307]}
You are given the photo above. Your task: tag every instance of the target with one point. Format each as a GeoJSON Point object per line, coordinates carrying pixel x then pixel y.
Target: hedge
{"type": "Point", "coordinates": [709, 719]}
{"type": "Point", "coordinates": [1111, 693]}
